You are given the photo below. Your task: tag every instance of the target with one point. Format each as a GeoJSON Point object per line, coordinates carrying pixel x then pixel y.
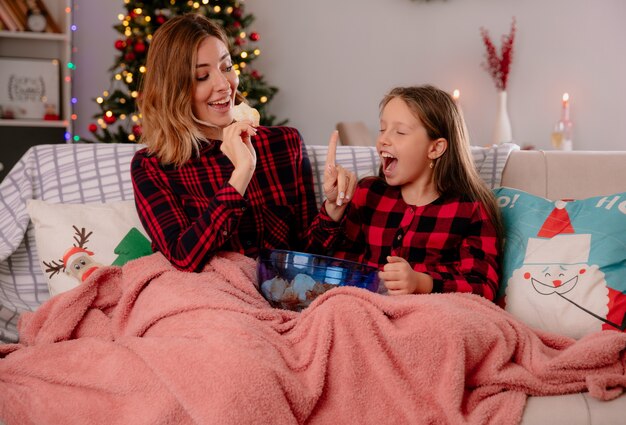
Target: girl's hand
{"type": "Point", "coordinates": [237, 147]}
{"type": "Point", "coordinates": [400, 278]}
{"type": "Point", "coordinates": [339, 183]}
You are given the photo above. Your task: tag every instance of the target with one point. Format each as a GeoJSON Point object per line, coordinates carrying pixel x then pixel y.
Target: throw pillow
{"type": "Point", "coordinates": [73, 240]}
{"type": "Point", "coordinates": [564, 265]}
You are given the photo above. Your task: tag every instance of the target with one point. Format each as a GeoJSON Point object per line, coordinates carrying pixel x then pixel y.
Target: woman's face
{"type": "Point", "coordinates": [215, 85]}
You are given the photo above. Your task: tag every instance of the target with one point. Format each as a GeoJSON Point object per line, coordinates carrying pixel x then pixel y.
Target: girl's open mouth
{"type": "Point", "coordinates": [389, 162]}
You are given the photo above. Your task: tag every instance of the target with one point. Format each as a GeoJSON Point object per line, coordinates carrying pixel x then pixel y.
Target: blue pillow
{"type": "Point", "coordinates": [564, 263]}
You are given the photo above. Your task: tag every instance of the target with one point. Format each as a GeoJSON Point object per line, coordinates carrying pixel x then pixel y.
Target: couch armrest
{"type": "Point", "coordinates": [566, 175]}
{"type": "Point", "coordinates": [526, 170]}
{"type": "Point", "coordinates": [354, 133]}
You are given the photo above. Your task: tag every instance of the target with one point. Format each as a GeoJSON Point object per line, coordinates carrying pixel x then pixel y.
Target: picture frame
{"type": "Point", "coordinates": [30, 89]}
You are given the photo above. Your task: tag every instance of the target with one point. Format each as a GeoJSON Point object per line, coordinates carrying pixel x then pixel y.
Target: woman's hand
{"type": "Point", "coordinates": [400, 278]}
{"type": "Point", "coordinates": [339, 183]}
{"type": "Point", "coordinates": [237, 147]}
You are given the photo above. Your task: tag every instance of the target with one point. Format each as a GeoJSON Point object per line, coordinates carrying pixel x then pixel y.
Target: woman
{"type": "Point", "coordinates": [205, 183]}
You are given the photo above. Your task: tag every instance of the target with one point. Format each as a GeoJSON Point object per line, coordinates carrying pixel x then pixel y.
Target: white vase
{"type": "Point", "coordinates": [502, 130]}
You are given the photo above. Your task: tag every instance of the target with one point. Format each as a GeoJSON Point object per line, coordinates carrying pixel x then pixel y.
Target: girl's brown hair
{"type": "Point", "coordinates": [169, 129]}
{"type": "Point", "coordinates": [454, 171]}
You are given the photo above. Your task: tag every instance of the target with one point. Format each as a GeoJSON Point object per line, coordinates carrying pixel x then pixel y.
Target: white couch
{"type": "Point", "coordinates": [100, 173]}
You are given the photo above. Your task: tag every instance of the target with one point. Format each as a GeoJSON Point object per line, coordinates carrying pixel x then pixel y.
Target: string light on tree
{"type": "Point", "coordinates": [67, 79]}
{"type": "Point", "coordinates": [117, 119]}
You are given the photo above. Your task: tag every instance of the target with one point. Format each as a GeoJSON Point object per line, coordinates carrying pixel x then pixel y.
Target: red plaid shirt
{"type": "Point", "coordinates": [191, 212]}
{"type": "Point", "coordinates": [452, 239]}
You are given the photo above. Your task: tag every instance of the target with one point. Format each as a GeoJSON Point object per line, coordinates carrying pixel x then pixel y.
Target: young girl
{"type": "Point", "coordinates": [427, 221]}
{"type": "Point", "coordinates": [204, 183]}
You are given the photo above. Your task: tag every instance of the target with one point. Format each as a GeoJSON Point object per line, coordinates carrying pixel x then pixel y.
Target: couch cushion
{"type": "Point", "coordinates": [564, 266]}
{"type": "Point", "coordinates": [490, 161]}
{"type": "Point", "coordinates": [569, 409]}
{"type": "Point", "coordinates": [573, 409]}
{"type": "Point", "coordinates": [363, 160]}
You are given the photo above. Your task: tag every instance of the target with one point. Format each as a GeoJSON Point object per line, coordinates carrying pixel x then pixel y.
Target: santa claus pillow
{"type": "Point", "coordinates": [564, 264]}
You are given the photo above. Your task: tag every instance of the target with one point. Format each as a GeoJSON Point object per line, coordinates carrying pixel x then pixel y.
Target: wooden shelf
{"type": "Point", "coordinates": [33, 123]}
{"type": "Point", "coordinates": [40, 36]}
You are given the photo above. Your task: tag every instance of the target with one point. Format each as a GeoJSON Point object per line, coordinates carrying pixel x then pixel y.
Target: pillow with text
{"type": "Point", "coordinates": [564, 263]}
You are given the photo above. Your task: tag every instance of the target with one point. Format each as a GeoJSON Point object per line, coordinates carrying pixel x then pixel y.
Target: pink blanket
{"type": "Point", "coordinates": [146, 344]}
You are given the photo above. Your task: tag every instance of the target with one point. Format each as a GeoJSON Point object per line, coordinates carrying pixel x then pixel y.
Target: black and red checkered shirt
{"type": "Point", "coordinates": [192, 212]}
{"type": "Point", "coordinates": [452, 239]}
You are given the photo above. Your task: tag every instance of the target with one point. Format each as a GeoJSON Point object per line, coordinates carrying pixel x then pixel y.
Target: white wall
{"type": "Point", "coordinates": [333, 60]}
{"type": "Point", "coordinates": [94, 53]}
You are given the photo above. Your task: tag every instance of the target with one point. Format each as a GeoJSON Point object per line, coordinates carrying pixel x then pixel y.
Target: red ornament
{"type": "Point", "coordinates": [239, 41]}
{"type": "Point", "coordinates": [93, 128]}
{"type": "Point", "coordinates": [237, 24]}
{"type": "Point", "coordinates": [109, 119]}
{"type": "Point", "coordinates": [237, 12]}
{"type": "Point", "coordinates": [139, 47]}
{"type": "Point", "coordinates": [160, 19]}
{"type": "Point", "coordinates": [137, 130]}
{"type": "Point", "coordinates": [120, 44]}
{"type": "Point", "coordinates": [129, 57]}
{"type": "Point", "coordinates": [132, 14]}
{"type": "Point", "coordinates": [255, 74]}
{"type": "Point", "coordinates": [254, 36]}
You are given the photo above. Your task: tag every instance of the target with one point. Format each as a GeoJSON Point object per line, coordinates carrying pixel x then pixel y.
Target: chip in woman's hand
{"type": "Point", "coordinates": [243, 112]}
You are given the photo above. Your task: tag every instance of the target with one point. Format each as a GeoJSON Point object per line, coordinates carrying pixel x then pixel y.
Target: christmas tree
{"type": "Point", "coordinates": [119, 120]}
{"type": "Point", "coordinates": [133, 245]}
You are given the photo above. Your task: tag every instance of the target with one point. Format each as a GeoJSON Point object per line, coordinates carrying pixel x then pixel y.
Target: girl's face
{"type": "Point", "coordinates": [215, 85]}
{"type": "Point", "coordinates": [403, 146]}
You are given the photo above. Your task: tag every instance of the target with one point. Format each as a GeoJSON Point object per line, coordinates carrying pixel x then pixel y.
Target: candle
{"type": "Point", "coordinates": [565, 107]}
{"type": "Point", "coordinates": [562, 134]}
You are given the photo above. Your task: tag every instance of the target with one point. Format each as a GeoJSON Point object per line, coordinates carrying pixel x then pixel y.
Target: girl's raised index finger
{"type": "Point", "coordinates": [332, 149]}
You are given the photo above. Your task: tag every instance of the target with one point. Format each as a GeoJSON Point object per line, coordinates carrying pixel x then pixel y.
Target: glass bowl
{"type": "Point", "coordinates": [292, 280]}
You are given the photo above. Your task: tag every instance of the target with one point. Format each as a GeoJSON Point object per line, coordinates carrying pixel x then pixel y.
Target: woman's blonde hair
{"type": "Point", "coordinates": [169, 128]}
{"type": "Point", "coordinates": [454, 171]}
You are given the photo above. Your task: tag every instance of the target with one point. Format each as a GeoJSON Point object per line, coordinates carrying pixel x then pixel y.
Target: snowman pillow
{"type": "Point", "coordinates": [564, 264]}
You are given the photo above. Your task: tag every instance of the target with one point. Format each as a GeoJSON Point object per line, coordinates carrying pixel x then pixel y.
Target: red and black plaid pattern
{"type": "Point", "coordinates": [191, 212]}
{"type": "Point", "coordinates": [452, 239]}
